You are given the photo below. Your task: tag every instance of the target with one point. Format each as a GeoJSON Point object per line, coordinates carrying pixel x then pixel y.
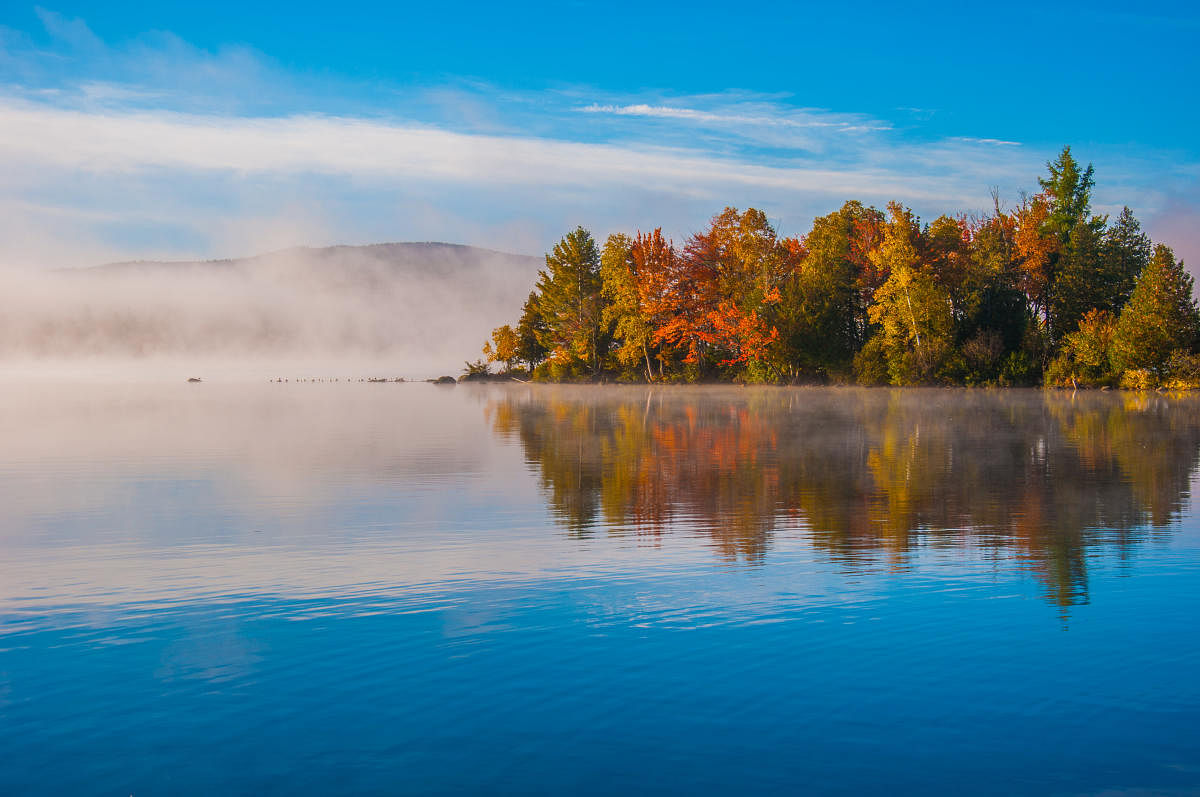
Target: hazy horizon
{"type": "Point", "coordinates": [414, 310]}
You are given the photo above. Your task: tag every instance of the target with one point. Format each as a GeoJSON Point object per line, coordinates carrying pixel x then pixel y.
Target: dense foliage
{"type": "Point", "coordinates": [1047, 292]}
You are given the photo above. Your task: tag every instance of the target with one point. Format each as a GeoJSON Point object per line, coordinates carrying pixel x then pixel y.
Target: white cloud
{"type": "Point", "coordinates": [159, 148]}
{"type": "Point", "coordinates": [116, 142]}
{"type": "Point", "coordinates": [103, 173]}
{"type": "Point", "coordinates": [802, 118]}
{"type": "Point", "coordinates": [999, 142]}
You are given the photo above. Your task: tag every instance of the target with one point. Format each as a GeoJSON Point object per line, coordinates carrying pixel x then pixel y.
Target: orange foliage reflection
{"type": "Point", "coordinates": [1043, 477]}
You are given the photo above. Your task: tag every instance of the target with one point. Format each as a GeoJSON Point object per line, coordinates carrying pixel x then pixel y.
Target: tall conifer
{"type": "Point", "coordinates": [1160, 318]}
{"type": "Point", "coordinates": [568, 301]}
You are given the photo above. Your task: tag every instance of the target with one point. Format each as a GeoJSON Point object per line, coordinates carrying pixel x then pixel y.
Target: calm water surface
{"type": "Point", "coordinates": [387, 588]}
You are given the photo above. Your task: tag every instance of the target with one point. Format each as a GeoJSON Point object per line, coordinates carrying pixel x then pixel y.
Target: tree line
{"type": "Point", "coordinates": [1045, 293]}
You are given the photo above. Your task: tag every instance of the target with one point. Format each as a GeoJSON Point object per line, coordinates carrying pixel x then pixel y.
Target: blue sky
{"type": "Point", "coordinates": [181, 130]}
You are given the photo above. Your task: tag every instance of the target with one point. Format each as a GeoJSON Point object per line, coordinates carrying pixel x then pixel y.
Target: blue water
{"type": "Point", "coordinates": [404, 588]}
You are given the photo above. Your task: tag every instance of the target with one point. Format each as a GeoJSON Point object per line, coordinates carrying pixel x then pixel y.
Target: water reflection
{"type": "Point", "coordinates": [339, 587]}
{"type": "Point", "coordinates": [1044, 478]}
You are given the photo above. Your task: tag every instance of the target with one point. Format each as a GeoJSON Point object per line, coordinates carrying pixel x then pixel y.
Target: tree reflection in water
{"type": "Point", "coordinates": [1045, 477]}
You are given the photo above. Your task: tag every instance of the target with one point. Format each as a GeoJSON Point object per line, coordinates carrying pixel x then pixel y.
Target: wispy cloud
{"type": "Point", "coordinates": [41, 137]}
{"type": "Point", "coordinates": [158, 147]}
{"type": "Point", "coordinates": [999, 142]}
{"type": "Point", "coordinates": [122, 141]}
{"type": "Point", "coordinates": [181, 182]}
{"type": "Point", "coordinates": [801, 119]}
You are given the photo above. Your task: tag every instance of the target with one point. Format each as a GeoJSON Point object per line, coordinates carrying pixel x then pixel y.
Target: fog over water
{"type": "Point", "coordinates": [410, 310]}
{"type": "Point", "coordinates": [1037, 482]}
{"type": "Point", "coordinates": [247, 587]}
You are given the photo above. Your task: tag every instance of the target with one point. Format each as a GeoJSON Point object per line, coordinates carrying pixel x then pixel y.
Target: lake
{"type": "Point", "coordinates": [332, 587]}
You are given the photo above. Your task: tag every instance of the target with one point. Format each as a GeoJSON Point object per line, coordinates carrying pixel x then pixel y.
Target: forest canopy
{"type": "Point", "coordinates": [1047, 292]}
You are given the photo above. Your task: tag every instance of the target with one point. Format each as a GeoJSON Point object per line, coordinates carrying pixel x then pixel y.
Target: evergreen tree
{"type": "Point", "coordinates": [568, 301]}
{"type": "Point", "coordinates": [1126, 252]}
{"type": "Point", "coordinates": [1083, 282]}
{"type": "Point", "coordinates": [1069, 192]}
{"type": "Point", "coordinates": [530, 332]}
{"type": "Point", "coordinates": [1073, 255]}
{"type": "Point", "coordinates": [1160, 318]}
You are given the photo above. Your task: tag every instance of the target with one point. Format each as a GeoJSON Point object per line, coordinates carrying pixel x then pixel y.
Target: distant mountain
{"type": "Point", "coordinates": [424, 305]}
{"type": "Point", "coordinates": [427, 257]}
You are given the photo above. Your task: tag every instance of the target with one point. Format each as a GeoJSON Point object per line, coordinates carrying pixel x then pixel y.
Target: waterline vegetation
{"type": "Point", "coordinates": [1045, 293]}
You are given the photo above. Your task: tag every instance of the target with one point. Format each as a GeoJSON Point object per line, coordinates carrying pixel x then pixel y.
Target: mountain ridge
{"type": "Point", "coordinates": [411, 248]}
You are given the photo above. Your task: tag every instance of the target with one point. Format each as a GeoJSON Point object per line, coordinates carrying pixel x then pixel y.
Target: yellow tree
{"type": "Point", "coordinates": [911, 309]}
{"type": "Point", "coordinates": [504, 347]}
{"type": "Point", "coordinates": [625, 310]}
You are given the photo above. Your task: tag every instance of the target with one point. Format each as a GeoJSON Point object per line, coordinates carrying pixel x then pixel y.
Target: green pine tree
{"type": "Point", "coordinates": [1070, 193]}
{"type": "Point", "coordinates": [1160, 318]}
{"type": "Point", "coordinates": [568, 301]}
{"type": "Point", "coordinates": [530, 332]}
{"type": "Point", "coordinates": [1126, 252]}
{"type": "Point", "coordinates": [1074, 286]}
{"type": "Point", "coordinates": [1083, 281]}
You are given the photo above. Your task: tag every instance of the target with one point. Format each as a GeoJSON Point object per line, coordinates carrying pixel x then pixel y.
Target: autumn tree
{"type": "Point", "coordinates": [680, 289]}
{"type": "Point", "coordinates": [745, 336]}
{"type": "Point", "coordinates": [1048, 289]}
{"type": "Point", "coordinates": [1057, 237]}
{"type": "Point", "coordinates": [1036, 252]}
{"type": "Point", "coordinates": [994, 316]}
{"type": "Point", "coordinates": [911, 308]}
{"type": "Point", "coordinates": [720, 289]}
{"type": "Point", "coordinates": [750, 264]}
{"type": "Point", "coordinates": [628, 288]}
{"type": "Point", "coordinates": [822, 315]}
{"type": "Point", "coordinates": [947, 243]}
{"type": "Point", "coordinates": [504, 347]}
